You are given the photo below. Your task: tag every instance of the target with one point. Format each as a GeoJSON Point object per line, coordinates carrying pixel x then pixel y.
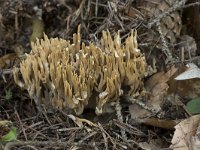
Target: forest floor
{"type": "Point", "coordinates": [168, 34]}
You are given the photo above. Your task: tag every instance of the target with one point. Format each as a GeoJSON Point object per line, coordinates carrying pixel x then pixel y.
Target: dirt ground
{"type": "Point", "coordinates": [164, 32]}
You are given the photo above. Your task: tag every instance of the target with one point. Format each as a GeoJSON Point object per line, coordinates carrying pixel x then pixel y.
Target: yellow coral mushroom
{"type": "Point", "coordinates": [59, 74]}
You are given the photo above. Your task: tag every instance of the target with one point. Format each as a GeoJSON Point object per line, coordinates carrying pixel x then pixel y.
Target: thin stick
{"type": "Point", "coordinates": [192, 4]}
{"type": "Point", "coordinates": [165, 47]}
{"type": "Point", "coordinates": [51, 144]}
{"type": "Point", "coordinates": [120, 118]}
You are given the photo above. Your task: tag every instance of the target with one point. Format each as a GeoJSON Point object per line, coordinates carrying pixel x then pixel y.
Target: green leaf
{"type": "Point", "coordinates": [11, 135]}
{"type": "Point", "coordinates": [9, 94]}
{"type": "Point", "coordinates": [193, 106]}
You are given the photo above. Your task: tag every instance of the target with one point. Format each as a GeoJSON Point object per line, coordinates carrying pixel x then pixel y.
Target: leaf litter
{"type": "Point", "coordinates": [163, 103]}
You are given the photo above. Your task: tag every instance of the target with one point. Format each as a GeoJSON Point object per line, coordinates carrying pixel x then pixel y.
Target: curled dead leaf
{"type": "Point", "coordinates": [7, 60]}
{"type": "Point", "coordinates": [185, 82]}
{"type": "Point", "coordinates": [186, 134]}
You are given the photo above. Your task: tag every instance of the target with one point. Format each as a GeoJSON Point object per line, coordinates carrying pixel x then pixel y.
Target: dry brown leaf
{"type": "Point", "coordinates": [153, 80]}
{"type": "Point", "coordinates": [166, 124]}
{"type": "Point", "coordinates": [187, 89]}
{"type": "Point", "coordinates": [185, 136]}
{"type": "Point", "coordinates": [170, 25]}
{"type": "Point", "coordinates": [138, 113]}
{"type": "Point", "coordinates": [143, 116]}
{"type": "Point", "coordinates": [192, 72]}
{"type": "Point", "coordinates": [157, 87]}
{"type": "Point", "coordinates": [157, 83]}
{"type": "Point", "coordinates": [153, 144]}
{"type": "Point", "coordinates": [6, 61]}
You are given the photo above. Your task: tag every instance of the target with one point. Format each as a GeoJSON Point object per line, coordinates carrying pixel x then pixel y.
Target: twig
{"type": "Point", "coordinates": [130, 129]}
{"type": "Point", "coordinates": [5, 71]}
{"type": "Point", "coordinates": [87, 137]}
{"type": "Point", "coordinates": [122, 145]}
{"type": "Point", "coordinates": [104, 136]}
{"type": "Point", "coordinates": [96, 8]}
{"type": "Point", "coordinates": [120, 118]}
{"type": "Point", "coordinates": [51, 144]}
{"type": "Point", "coordinates": [21, 125]}
{"type": "Point", "coordinates": [192, 4]}
{"type": "Point", "coordinates": [165, 48]}
{"type": "Point", "coordinates": [141, 104]}
{"type": "Point", "coordinates": [111, 139]}
{"type": "Point", "coordinates": [177, 5]}
{"type": "Point", "coordinates": [185, 61]}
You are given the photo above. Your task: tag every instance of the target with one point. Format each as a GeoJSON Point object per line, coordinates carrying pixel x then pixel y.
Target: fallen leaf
{"type": "Point", "coordinates": [153, 144]}
{"type": "Point", "coordinates": [185, 136]}
{"type": "Point", "coordinates": [187, 86]}
{"type": "Point", "coordinates": [193, 106]}
{"type": "Point", "coordinates": [192, 72]}
{"type": "Point", "coordinates": [138, 113]}
{"type": "Point", "coordinates": [6, 61]}
{"type": "Point", "coordinates": [161, 123]}
{"type": "Point", "coordinates": [157, 83]}
{"type": "Point", "coordinates": [10, 136]}
{"type": "Point", "coordinates": [143, 116]}
{"type": "Point", "coordinates": [157, 88]}
{"type": "Point", "coordinates": [38, 29]}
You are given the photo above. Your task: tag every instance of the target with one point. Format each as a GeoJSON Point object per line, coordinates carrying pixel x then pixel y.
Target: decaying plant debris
{"type": "Point", "coordinates": [167, 35]}
{"type": "Point", "coordinates": [170, 25]}
{"type": "Point", "coordinates": [61, 74]}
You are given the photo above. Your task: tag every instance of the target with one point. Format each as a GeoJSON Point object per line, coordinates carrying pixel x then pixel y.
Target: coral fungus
{"type": "Point", "coordinates": [59, 74]}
